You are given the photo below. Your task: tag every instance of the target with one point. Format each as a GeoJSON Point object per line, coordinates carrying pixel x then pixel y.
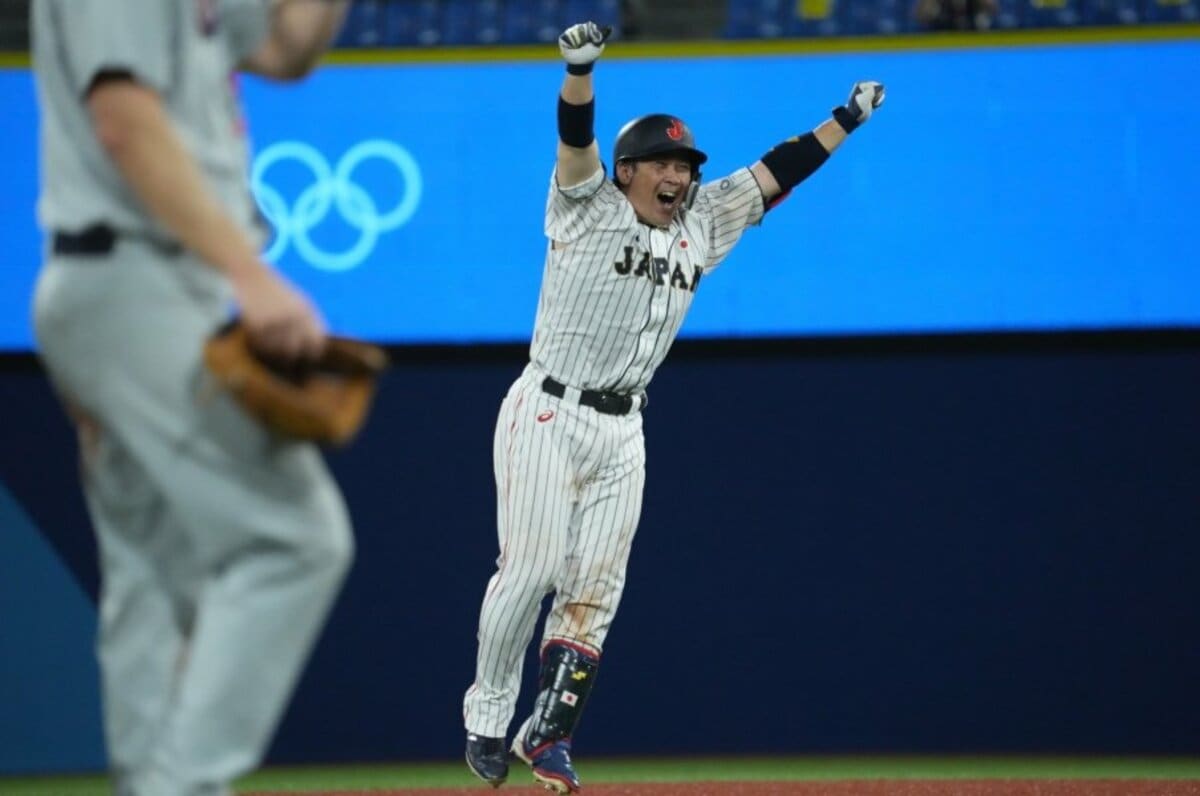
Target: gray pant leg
{"type": "Point", "coordinates": [257, 524]}
{"type": "Point", "coordinates": [270, 575]}
{"type": "Point", "coordinates": [142, 627]}
{"type": "Point", "coordinates": [258, 614]}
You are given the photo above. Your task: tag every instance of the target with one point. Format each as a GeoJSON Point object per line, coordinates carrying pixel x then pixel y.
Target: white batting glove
{"type": "Point", "coordinates": [865, 97]}
{"type": "Point", "coordinates": [581, 45]}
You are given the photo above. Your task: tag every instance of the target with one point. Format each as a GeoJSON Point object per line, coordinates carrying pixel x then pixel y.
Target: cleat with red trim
{"type": "Point", "coordinates": [551, 764]}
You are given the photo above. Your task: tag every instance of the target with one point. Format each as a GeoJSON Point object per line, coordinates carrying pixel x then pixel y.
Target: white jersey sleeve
{"type": "Point", "coordinates": [573, 210]}
{"type": "Point", "coordinates": [728, 205]}
{"type": "Point", "coordinates": [134, 36]}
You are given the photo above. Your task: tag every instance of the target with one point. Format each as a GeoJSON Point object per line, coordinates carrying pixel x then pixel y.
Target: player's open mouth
{"type": "Point", "coordinates": [667, 198]}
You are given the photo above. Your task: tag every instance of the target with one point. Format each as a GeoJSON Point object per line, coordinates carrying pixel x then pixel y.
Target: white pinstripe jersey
{"type": "Point", "coordinates": [615, 291]}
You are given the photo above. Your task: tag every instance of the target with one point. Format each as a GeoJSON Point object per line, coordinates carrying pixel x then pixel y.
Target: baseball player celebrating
{"type": "Point", "coordinates": [222, 546]}
{"type": "Point", "coordinates": [624, 259]}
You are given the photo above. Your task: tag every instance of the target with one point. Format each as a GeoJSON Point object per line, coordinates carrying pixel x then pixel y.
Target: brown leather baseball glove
{"type": "Point", "coordinates": [325, 401]}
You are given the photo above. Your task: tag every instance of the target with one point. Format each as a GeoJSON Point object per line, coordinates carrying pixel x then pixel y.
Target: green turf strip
{"type": "Point", "coordinates": [433, 775]}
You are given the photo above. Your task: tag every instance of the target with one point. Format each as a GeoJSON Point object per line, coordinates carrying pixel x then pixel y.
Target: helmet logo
{"type": "Point", "coordinates": [675, 131]}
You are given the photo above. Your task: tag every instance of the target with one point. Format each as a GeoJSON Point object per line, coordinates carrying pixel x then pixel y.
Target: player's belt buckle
{"type": "Point", "coordinates": [610, 403]}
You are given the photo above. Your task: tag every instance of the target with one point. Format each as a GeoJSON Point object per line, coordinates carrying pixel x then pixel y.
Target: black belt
{"type": "Point", "coordinates": [101, 239]}
{"type": "Point", "coordinates": [609, 403]}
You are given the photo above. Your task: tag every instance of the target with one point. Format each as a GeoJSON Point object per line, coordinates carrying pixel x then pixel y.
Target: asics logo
{"type": "Point", "coordinates": [334, 191]}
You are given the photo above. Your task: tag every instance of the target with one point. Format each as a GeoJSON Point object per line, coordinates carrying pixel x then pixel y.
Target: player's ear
{"type": "Point", "coordinates": [624, 173]}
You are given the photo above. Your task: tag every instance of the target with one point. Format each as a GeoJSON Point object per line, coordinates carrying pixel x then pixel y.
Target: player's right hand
{"type": "Point", "coordinates": [582, 43]}
{"type": "Point", "coordinates": [279, 320]}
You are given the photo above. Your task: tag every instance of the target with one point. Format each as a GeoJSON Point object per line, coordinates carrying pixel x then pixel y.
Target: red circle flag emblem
{"type": "Point", "coordinates": [675, 131]}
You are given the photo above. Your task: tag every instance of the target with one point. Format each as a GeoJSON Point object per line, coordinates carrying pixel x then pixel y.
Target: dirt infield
{"type": "Point", "coordinates": [907, 787]}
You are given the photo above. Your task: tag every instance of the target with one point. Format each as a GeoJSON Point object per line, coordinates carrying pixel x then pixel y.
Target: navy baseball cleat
{"type": "Point", "coordinates": [551, 764]}
{"type": "Point", "coordinates": [487, 759]}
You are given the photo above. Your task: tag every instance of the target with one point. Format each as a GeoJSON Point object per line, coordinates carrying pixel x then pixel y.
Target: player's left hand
{"type": "Point", "coordinates": [865, 97]}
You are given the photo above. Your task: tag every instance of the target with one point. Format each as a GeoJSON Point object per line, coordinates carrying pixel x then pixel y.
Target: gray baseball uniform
{"type": "Point", "coordinates": [221, 547]}
{"type": "Point", "coordinates": [569, 478]}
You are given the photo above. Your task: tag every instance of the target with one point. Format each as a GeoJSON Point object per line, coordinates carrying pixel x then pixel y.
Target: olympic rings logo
{"type": "Point", "coordinates": [333, 187]}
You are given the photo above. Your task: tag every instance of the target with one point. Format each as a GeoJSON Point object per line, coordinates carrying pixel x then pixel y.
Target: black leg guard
{"type": "Point", "coordinates": [564, 684]}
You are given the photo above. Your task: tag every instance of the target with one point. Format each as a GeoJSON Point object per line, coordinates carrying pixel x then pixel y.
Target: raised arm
{"type": "Point", "coordinates": [578, 154]}
{"type": "Point", "coordinates": [300, 33]}
{"type": "Point", "coordinates": [791, 162]}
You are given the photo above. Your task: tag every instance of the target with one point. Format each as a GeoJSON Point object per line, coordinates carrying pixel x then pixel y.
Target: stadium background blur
{"type": "Point", "coordinates": [432, 23]}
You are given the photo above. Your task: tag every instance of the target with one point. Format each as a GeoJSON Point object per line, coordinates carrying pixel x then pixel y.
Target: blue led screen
{"type": "Point", "coordinates": [1024, 188]}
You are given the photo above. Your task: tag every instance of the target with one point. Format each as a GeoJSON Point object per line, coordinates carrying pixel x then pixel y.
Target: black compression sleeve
{"type": "Point", "coordinates": [576, 123]}
{"type": "Point", "coordinates": [794, 160]}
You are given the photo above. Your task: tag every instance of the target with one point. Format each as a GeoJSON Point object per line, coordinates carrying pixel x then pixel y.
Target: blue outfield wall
{"type": "Point", "coordinates": [1000, 188]}
{"type": "Point", "coordinates": [878, 550]}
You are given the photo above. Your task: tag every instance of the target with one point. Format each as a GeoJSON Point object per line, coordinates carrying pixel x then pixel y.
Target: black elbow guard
{"type": "Point", "coordinates": [576, 123]}
{"type": "Point", "coordinates": [794, 160]}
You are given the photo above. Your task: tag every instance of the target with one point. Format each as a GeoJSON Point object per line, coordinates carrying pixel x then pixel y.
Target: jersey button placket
{"type": "Point", "coordinates": [656, 313]}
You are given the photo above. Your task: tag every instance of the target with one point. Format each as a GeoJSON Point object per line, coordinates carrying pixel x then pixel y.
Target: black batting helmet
{"type": "Point", "coordinates": [657, 134]}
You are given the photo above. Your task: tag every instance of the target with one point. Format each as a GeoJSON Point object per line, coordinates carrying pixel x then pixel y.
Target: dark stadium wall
{"type": "Point", "coordinates": [864, 548]}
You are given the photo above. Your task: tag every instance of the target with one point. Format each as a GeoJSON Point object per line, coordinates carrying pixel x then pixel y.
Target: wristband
{"type": "Point", "coordinates": [576, 123]}
{"type": "Point", "coordinates": [794, 160]}
{"type": "Point", "coordinates": [581, 69]}
{"type": "Point", "coordinates": [843, 116]}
